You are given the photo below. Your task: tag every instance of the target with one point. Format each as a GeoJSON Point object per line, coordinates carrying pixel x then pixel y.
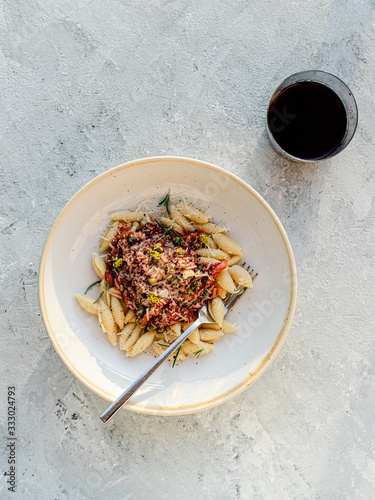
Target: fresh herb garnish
{"type": "Point", "coordinates": [202, 297]}
{"type": "Point", "coordinates": [163, 345]}
{"type": "Point", "coordinates": [204, 284]}
{"type": "Point", "coordinates": [139, 313]}
{"type": "Point", "coordinates": [198, 353]}
{"type": "Point", "coordinates": [168, 228]}
{"type": "Point", "coordinates": [161, 225]}
{"type": "Point", "coordinates": [117, 262]}
{"type": "Point", "coordinates": [177, 240]}
{"type": "Point", "coordinates": [131, 239]}
{"type": "Point", "coordinates": [101, 295]}
{"type": "Point", "coordinates": [199, 266]}
{"type": "Point", "coordinates": [167, 202]}
{"type": "Point", "coordinates": [91, 286]}
{"type": "Point", "coordinates": [176, 355]}
{"type": "Point", "coordinates": [154, 253]}
{"type": "Point", "coordinates": [203, 238]}
{"type": "Point", "coordinates": [154, 298]}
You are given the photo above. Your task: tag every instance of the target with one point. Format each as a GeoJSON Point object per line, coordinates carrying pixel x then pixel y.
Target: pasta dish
{"type": "Point", "coordinates": [159, 269]}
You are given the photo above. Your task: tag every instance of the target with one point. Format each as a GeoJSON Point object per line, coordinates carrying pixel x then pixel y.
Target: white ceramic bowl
{"type": "Point", "coordinates": [263, 315]}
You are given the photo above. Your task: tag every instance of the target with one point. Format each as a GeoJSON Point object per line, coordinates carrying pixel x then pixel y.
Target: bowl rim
{"type": "Point", "coordinates": [252, 376]}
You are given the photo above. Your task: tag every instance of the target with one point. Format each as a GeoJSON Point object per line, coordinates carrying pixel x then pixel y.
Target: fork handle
{"type": "Point", "coordinates": [126, 395]}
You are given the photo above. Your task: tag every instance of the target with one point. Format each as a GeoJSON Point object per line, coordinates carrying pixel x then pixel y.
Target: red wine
{"type": "Point", "coordinates": [307, 120]}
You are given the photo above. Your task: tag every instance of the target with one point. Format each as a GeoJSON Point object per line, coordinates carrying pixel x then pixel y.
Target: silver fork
{"type": "Point", "coordinates": [204, 316]}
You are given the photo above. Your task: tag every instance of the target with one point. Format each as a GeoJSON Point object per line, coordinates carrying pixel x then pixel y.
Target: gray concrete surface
{"type": "Point", "coordinates": [86, 85]}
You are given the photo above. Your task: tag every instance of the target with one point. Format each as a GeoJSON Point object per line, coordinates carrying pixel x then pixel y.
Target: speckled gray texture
{"type": "Point", "coordinates": [86, 85]}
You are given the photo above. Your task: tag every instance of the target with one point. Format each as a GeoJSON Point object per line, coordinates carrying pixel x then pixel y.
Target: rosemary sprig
{"type": "Point", "coordinates": [160, 224]}
{"type": "Point", "coordinates": [198, 353]}
{"type": "Point", "coordinates": [101, 295]}
{"type": "Point", "coordinates": [163, 345]}
{"type": "Point", "coordinates": [167, 202]}
{"type": "Point", "coordinates": [168, 228]}
{"type": "Point", "coordinates": [176, 355]}
{"type": "Point", "coordinates": [177, 240]}
{"type": "Point", "coordinates": [204, 289]}
{"type": "Point", "coordinates": [202, 297]}
{"type": "Point", "coordinates": [177, 235]}
{"type": "Point", "coordinates": [91, 286]}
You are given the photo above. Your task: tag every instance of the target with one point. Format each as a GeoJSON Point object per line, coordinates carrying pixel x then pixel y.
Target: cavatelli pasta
{"type": "Point", "coordinates": [241, 276]}
{"type": "Point", "coordinates": [112, 337]}
{"type": "Point", "coordinates": [227, 244]}
{"type": "Point", "coordinates": [108, 236]}
{"type": "Point", "coordinates": [225, 281]}
{"type": "Point", "coordinates": [194, 336]}
{"type": "Point", "coordinates": [221, 292]}
{"type": "Point", "coordinates": [211, 228]}
{"type": "Point", "coordinates": [169, 335]}
{"type": "Point", "coordinates": [87, 303]}
{"type": "Point", "coordinates": [127, 216]}
{"type": "Point", "coordinates": [198, 349]}
{"type": "Point", "coordinates": [107, 317]}
{"type": "Point", "coordinates": [125, 334]}
{"type": "Point", "coordinates": [210, 335]}
{"type": "Point", "coordinates": [130, 316]}
{"type": "Point", "coordinates": [99, 265]}
{"type": "Point", "coordinates": [193, 213]}
{"type": "Point", "coordinates": [116, 293]}
{"type": "Point", "coordinates": [211, 326]}
{"type": "Point", "coordinates": [228, 327]}
{"type": "Point", "coordinates": [207, 260]}
{"type": "Point", "coordinates": [136, 333]}
{"type": "Point", "coordinates": [233, 260]}
{"type": "Point", "coordinates": [210, 243]}
{"type": "Point", "coordinates": [213, 253]}
{"type": "Point", "coordinates": [176, 329]}
{"type": "Point", "coordinates": [217, 310]}
{"type": "Point", "coordinates": [117, 312]}
{"type": "Point", "coordinates": [169, 222]}
{"type": "Point", "coordinates": [181, 220]}
{"type": "Point", "coordinates": [104, 293]}
{"type": "Point", "coordinates": [141, 344]}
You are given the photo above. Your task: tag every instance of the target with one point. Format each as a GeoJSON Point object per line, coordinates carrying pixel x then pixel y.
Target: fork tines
{"type": "Point", "coordinates": [250, 272]}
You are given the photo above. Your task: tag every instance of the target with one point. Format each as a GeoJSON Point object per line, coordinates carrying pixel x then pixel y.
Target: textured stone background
{"type": "Point", "coordinates": [86, 85]}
